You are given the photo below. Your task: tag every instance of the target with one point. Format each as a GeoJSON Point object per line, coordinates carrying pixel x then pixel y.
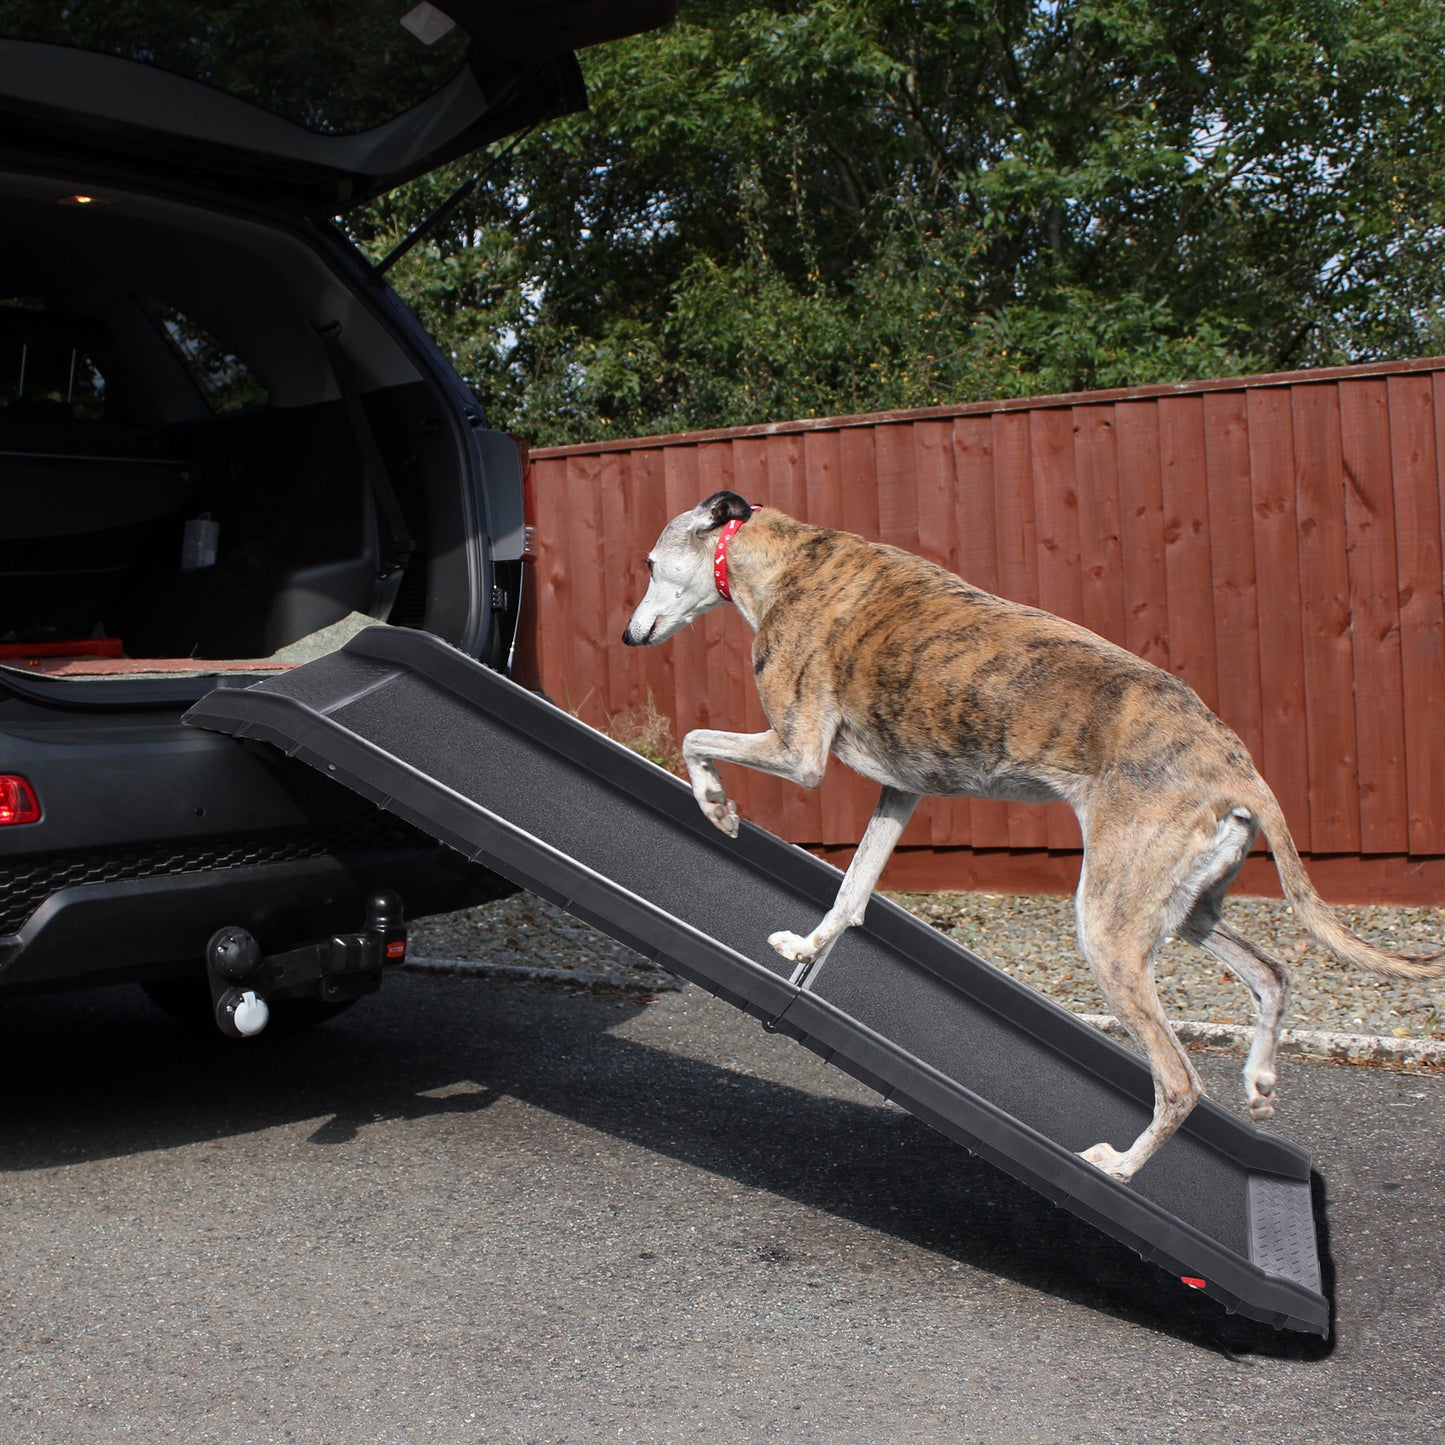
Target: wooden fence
{"type": "Point", "coordinates": [1275, 541]}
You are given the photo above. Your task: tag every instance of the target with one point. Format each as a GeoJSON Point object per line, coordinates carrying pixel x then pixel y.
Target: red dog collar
{"type": "Point", "coordinates": [720, 553]}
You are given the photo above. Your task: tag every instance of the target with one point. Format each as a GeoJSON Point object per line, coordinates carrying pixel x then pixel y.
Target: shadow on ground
{"type": "Point", "coordinates": [102, 1074]}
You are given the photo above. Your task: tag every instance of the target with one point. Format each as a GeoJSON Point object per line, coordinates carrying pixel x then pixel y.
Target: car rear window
{"type": "Point", "coordinates": [335, 67]}
{"type": "Point", "coordinates": [225, 381]}
{"type": "Point", "coordinates": [52, 366]}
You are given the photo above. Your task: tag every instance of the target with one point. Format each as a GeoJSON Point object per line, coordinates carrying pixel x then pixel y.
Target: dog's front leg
{"type": "Point", "coordinates": [885, 827]}
{"type": "Point", "coordinates": [767, 752]}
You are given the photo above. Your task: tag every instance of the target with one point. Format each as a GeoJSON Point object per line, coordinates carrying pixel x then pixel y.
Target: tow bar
{"type": "Point", "coordinates": [342, 967]}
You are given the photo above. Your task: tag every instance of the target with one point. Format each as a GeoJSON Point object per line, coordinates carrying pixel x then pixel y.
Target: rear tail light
{"type": "Point", "coordinates": [18, 803]}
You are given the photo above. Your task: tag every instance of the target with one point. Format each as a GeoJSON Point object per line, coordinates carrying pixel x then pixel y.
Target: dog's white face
{"type": "Point", "coordinates": [681, 588]}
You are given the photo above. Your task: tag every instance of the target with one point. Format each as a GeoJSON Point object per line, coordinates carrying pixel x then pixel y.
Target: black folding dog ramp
{"type": "Point", "coordinates": [513, 782]}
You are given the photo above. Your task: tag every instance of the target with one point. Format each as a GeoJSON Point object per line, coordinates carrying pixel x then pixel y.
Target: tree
{"type": "Point", "coordinates": [777, 210]}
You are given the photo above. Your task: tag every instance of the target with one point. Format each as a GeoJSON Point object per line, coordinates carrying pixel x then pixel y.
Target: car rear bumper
{"type": "Point", "coordinates": [154, 835]}
{"type": "Point", "coordinates": [146, 927]}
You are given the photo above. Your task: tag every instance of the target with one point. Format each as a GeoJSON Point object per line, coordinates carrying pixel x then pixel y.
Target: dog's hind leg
{"type": "Point", "coordinates": [1265, 977]}
{"type": "Point", "coordinates": [1122, 959]}
{"type": "Point", "coordinates": [1133, 893]}
{"type": "Point", "coordinates": [885, 827]}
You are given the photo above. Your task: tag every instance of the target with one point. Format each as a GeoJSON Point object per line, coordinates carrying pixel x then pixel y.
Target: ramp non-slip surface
{"type": "Point", "coordinates": [513, 782]}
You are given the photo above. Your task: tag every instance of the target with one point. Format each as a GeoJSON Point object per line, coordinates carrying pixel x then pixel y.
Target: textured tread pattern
{"type": "Point", "coordinates": [1282, 1229]}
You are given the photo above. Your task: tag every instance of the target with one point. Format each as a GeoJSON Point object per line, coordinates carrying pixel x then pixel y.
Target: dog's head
{"type": "Point", "coordinates": [682, 586]}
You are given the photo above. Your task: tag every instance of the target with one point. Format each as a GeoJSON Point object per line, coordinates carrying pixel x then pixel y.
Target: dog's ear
{"type": "Point", "coordinates": [718, 510]}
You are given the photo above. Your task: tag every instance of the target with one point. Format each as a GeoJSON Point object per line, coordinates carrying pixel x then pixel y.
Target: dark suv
{"type": "Point", "coordinates": [225, 444]}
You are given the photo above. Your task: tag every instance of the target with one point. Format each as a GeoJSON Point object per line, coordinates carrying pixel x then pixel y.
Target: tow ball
{"type": "Point", "coordinates": [245, 981]}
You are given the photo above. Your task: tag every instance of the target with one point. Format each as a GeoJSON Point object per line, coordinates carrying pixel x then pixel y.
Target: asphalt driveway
{"type": "Point", "coordinates": [477, 1211]}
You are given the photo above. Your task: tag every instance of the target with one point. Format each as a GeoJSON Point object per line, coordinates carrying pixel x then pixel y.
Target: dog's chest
{"type": "Point", "coordinates": [896, 761]}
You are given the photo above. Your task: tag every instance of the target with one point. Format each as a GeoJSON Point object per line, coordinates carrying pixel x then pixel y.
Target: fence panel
{"type": "Point", "coordinates": [1275, 541]}
{"type": "Point", "coordinates": [1285, 760]}
{"type": "Point", "coordinates": [1375, 614]}
{"type": "Point", "coordinates": [1415, 415]}
{"type": "Point", "coordinates": [1328, 643]}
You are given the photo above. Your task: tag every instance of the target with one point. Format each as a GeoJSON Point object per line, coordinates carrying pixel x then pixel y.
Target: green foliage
{"type": "Point", "coordinates": [788, 209]}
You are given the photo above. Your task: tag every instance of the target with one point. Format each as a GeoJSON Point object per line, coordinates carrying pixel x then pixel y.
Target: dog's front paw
{"type": "Point", "coordinates": [1110, 1160]}
{"type": "Point", "coordinates": [793, 948]}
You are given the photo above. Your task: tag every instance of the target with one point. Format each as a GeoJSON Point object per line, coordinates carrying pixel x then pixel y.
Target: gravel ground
{"type": "Point", "coordinates": [1031, 937]}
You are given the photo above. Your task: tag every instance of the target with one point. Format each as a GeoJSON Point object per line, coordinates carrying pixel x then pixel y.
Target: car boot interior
{"type": "Point", "coordinates": [191, 468]}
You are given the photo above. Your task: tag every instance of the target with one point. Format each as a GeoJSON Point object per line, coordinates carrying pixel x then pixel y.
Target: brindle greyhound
{"type": "Point", "coordinates": [926, 684]}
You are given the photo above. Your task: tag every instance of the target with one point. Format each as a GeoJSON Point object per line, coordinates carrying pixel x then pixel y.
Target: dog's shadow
{"type": "Point", "coordinates": [101, 1074]}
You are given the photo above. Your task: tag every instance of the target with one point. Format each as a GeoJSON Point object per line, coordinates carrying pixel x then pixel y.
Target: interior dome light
{"type": "Point", "coordinates": [94, 202]}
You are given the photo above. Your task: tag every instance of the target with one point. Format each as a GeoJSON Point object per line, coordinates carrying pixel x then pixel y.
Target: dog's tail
{"type": "Point", "coordinates": [1319, 919]}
